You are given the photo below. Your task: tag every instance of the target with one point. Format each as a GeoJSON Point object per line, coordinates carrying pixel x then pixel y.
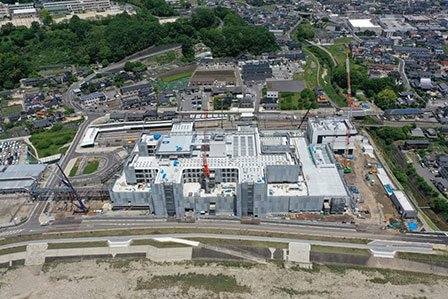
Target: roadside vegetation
{"type": "Point", "coordinates": [75, 168]}
{"type": "Point", "coordinates": [418, 257]}
{"type": "Point", "coordinates": [77, 245]}
{"type": "Point", "coordinates": [12, 250]}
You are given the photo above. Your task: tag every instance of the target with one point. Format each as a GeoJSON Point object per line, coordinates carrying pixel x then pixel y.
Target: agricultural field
{"type": "Point", "coordinates": [214, 75]}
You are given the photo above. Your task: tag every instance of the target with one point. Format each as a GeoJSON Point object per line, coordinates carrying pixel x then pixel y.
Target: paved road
{"type": "Point", "coordinates": [401, 70]}
{"type": "Point", "coordinates": [322, 230]}
{"type": "Point", "coordinates": [335, 63]}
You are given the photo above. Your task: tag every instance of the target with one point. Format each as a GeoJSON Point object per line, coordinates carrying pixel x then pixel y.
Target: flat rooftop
{"type": "Point", "coordinates": [363, 23]}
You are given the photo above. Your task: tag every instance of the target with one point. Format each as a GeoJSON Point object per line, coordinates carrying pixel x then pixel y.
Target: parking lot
{"type": "Point", "coordinates": [12, 152]}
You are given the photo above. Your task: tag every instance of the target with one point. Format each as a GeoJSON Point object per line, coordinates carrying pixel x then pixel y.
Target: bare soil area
{"type": "Point", "coordinates": [13, 207]}
{"type": "Point", "coordinates": [144, 279]}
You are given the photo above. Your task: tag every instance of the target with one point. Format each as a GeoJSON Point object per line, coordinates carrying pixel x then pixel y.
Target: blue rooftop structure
{"type": "Point", "coordinates": [404, 111]}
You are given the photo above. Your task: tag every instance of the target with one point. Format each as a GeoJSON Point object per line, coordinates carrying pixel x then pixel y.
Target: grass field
{"type": "Point", "coordinates": [214, 283]}
{"type": "Point", "coordinates": [91, 166]}
{"type": "Point", "coordinates": [75, 168]}
{"type": "Point", "coordinates": [51, 142]}
{"type": "Point", "coordinates": [175, 77]}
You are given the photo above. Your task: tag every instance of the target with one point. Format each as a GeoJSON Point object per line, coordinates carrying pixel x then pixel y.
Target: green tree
{"type": "Point", "coordinates": [386, 99]}
{"type": "Point", "coordinates": [47, 19]}
{"type": "Point", "coordinates": [305, 31]}
{"type": "Point", "coordinates": [204, 18]}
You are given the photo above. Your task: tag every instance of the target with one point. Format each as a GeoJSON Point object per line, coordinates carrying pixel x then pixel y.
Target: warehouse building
{"type": "Point", "coordinates": [20, 178]}
{"type": "Point", "coordinates": [362, 25]}
{"type": "Point", "coordinates": [403, 204]}
{"type": "Point", "coordinates": [77, 6]}
{"type": "Point", "coordinates": [333, 132]}
{"type": "Point", "coordinates": [252, 173]}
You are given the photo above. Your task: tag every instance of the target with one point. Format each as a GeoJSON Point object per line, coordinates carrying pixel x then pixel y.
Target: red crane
{"type": "Point", "coordinates": [204, 149]}
{"type": "Point", "coordinates": [346, 163]}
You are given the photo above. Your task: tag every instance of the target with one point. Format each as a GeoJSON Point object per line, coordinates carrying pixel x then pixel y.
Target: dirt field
{"type": "Point", "coordinates": [380, 206]}
{"type": "Point", "coordinates": [12, 207]}
{"type": "Point", "coordinates": [142, 279]}
{"type": "Point", "coordinates": [218, 75]}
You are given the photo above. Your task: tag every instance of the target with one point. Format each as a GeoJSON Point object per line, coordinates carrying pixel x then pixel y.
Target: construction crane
{"type": "Point", "coordinates": [346, 163]}
{"type": "Point", "coordinates": [81, 207]}
{"type": "Point", "coordinates": [304, 117]}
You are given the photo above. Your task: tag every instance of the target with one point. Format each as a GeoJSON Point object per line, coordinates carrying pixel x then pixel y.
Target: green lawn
{"type": "Point", "coordinates": [91, 166]}
{"type": "Point", "coordinates": [176, 77]}
{"type": "Point", "coordinates": [51, 142]}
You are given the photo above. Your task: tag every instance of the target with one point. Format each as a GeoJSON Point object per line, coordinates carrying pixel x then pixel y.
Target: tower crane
{"type": "Point", "coordinates": [204, 149]}
{"type": "Point", "coordinates": [346, 163]}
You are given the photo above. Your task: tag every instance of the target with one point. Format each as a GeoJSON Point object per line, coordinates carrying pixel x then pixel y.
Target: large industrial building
{"type": "Point", "coordinates": [250, 173]}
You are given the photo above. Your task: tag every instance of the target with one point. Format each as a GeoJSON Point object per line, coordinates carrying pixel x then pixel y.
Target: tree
{"type": "Point", "coordinates": [47, 19]}
{"type": "Point", "coordinates": [305, 31]}
{"type": "Point", "coordinates": [204, 18]}
{"type": "Point", "coordinates": [386, 99]}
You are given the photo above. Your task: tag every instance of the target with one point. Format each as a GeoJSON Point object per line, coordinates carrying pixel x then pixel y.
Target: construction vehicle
{"type": "Point", "coordinates": [346, 164]}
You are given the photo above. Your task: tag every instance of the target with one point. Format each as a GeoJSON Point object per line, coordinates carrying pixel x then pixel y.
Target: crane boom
{"type": "Point", "coordinates": [346, 165]}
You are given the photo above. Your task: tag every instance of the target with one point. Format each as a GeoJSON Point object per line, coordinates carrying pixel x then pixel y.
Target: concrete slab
{"type": "Point", "coordinates": [299, 252]}
{"type": "Point", "coordinates": [35, 254]}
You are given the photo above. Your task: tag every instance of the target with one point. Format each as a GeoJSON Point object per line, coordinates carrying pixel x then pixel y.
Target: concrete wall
{"type": "Point", "coordinates": [36, 255]}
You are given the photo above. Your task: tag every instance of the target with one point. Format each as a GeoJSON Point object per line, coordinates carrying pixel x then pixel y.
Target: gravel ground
{"type": "Point", "coordinates": [118, 279]}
